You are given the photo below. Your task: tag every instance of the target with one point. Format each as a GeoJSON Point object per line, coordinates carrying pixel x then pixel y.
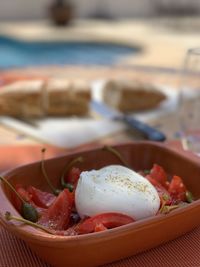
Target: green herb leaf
{"type": "Point", "coordinates": [189, 197]}
{"type": "Point", "coordinates": [166, 209]}
{"type": "Point", "coordinates": [165, 197]}
{"type": "Point", "coordinates": [146, 172]}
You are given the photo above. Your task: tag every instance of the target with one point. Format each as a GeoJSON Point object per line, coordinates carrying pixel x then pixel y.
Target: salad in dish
{"type": "Point", "coordinates": [97, 200]}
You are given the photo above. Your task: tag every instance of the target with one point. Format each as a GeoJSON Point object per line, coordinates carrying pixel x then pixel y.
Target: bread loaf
{"type": "Point", "coordinates": [67, 98]}
{"type": "Point", "coordinates": [36, 98]}
{"type": "Point", "coordinates": [130, 96]}
{"type": "Point", "coordinates": [23, 99]}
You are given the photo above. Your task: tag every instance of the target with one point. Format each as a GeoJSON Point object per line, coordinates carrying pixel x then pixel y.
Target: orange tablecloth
{"type": "Point", "coordinates": [182, 252]}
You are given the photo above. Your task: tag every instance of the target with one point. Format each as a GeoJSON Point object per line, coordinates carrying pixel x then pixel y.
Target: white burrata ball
{"type": "Point", "coordinates": [115, 189]}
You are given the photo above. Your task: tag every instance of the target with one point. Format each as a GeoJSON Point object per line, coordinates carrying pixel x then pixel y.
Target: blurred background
{"type": "Point", "coordinates": [22, 9]}
{"type": "Point", "coordinates": [153, 33]}
{"type": "Point", "coordinates": [101, 40]}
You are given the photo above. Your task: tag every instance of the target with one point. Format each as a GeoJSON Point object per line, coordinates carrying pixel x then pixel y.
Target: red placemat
{"type": "Point", "coordinates": [182, 252]}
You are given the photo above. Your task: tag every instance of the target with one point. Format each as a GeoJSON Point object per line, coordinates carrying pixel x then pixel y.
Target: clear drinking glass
{"type": "Point", "coordinates": [189, 101]}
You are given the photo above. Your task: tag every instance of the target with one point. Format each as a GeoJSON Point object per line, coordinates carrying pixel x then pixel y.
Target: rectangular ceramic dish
{"type": "Point", "coordinates": [111, 245]}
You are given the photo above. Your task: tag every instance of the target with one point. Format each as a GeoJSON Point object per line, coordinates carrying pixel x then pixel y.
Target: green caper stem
{"type": "Point", "coordinates": [117, 154]}
{"type": "Point", "coordinates": [12, 188]}
{"type": "Point", "coordinates": [10, 217]}
{"type": "Point", "coordinates": [66, 169]}
{"type": "Point", "coordinates": [54, 190]}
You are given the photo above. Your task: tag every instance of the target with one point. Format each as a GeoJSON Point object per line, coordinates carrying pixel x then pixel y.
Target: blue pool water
{"type": "Point", "coordinates": [14, 53]}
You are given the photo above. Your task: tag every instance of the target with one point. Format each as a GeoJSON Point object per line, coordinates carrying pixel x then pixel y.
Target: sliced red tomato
{"type": "Point", "coordinates": [108, 220]}
{"type": "Point", "coordinates": [154, 182]}
{"type": "Point", "coordinates": [177, 189]}
{"type": "Point", "coordinates": [40, 198]}
{"type": "Point", "coordinates": [73, 175]}
{"type": "Point", "coordinates": [27, 196]}
{"type": "Point", "coordinates": [100, 227]}
{"type": "Point", "coordinates": [23, 193]}
{"type": "Point", "coordinates": [162, 191]}
{"type": "Point", "coordinates": [159, 174]}
{"type": "Point", "coordinates": [57, 216]}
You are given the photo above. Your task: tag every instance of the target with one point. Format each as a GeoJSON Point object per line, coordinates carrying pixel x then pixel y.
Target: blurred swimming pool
{"type": "Point", "coordinates": [15, 53]}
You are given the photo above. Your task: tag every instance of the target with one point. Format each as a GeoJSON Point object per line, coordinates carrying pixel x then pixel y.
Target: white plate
{"type": "Point", "coordinates": [167, 106]}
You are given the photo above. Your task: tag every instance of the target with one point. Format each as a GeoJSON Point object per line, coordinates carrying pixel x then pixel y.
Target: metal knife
{"type": "Point", "coordinates": [147, 131]}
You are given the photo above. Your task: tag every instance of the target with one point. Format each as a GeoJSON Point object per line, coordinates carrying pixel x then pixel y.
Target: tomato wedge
{"type": "Point", "coordinates": [108, 220]}
{"type": "Point", "coordinates": [24, 194]}
{"type": "Point", "coordinates": [57, 216]}
{"type": "Point", "coordinates": [100, 227]}
{"type": "Point", "coordinates": [159, 174]}
{"type": "Point", "coordinates": [27, 196]}
{"type": "Point", "coordinates": [40, 198]}
{"type": "Point", "coordinates": [73, 175]}
{"type": "Point", "coordinates": [162, 191]}
{"type": "Point", "coordinates": [177, 189]}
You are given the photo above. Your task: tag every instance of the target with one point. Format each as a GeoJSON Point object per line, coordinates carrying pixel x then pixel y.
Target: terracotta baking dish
{"type": "Point", "coordinates": [104, 247]}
